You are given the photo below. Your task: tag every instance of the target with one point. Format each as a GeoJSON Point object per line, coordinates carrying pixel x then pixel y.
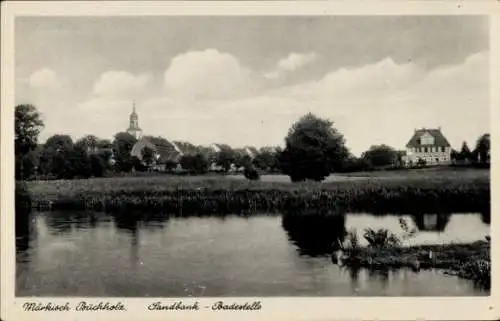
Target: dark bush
{"type": "Point", "coordinates": [23, 198]}
{"type": "Point", "coordinates": [251, 173]}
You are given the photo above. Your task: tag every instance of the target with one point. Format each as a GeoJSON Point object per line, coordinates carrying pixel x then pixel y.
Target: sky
{"type": "Point", "coordinates": [246, 80]}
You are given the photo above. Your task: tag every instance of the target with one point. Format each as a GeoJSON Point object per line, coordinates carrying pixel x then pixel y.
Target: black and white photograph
{"type": "Point", "coordinates": [251, 156]}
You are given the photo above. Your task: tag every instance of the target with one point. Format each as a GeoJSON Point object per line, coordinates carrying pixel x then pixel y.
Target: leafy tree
{"type": "Point", "coordinates": [57, 156]}
{"type": "Point", "coordinates": [27, 127]}
{"type": "Point", "coordinates": [266, 159]}
{"type": "Point", "coordinates": [225, 157]}
{"type": "Point", "coordinates": [104, 143]}
{"type": "Point", "coordinates": [380, 155]}
{"type": "Point", "coordinates": [88, 143]}
{"type": "Point", "coordinates": [122, 145]}
{"type": "Point", "coordinates": [355, 164]}
{"type": "Point", "coordinates": [483, 148]}
{"type": "Point", "coordinates": [26, 165]}
{"type": "Point", "coordinates": [421, 162]}
{"type": "Point", "coordinates": [314, 149]}
{"type": "Point", "coordinates": [197, 164]}
{"type": "Point", "coordinates": [98, 165]}
{"type": "Point", "coordinates": [465, 152]}
{"type": "Point", "coordinates": [79, 163]}
{"type": "Point", "coordinates": [59, 143]}
{"type": "Point", "coordinates": [242, 160]}
{"type": "Point", "coordinates": [454, 155]}
{"type": "Point", "coordinates": [148, 155]}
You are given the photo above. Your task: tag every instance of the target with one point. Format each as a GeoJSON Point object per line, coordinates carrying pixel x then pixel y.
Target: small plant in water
{"type": "Point", "coordinates": [479, 271]}
{"type": "Point", "coordinates": [380, 238]}
{"type": "Point", "coordinates": [352, 242]}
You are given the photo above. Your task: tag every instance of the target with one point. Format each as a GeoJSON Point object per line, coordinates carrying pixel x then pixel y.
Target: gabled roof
{"type": "Point", "coordinates": [439, 139]}
{"type": "Point", "coordinates": [220, 147]}
{"type": "Point", "coordinates": [163, 147]}
{"type": "Point", "coordinates": [186, 148]}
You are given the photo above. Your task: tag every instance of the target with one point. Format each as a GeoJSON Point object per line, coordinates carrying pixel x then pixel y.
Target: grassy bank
{"type": "Point", "coordinates": [470, 261]}
{"type": "Point", "coordinates": [443, 191]}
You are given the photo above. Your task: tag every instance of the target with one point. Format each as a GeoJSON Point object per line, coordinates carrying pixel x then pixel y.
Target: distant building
{"type": "Point", "coordinates": [163, 150]}
{"type": "Point", "coordinates": [429, 145]}
{"type": "Point", "coordinates": [133, 128]}
{"type": "Point", "coordinates": [248, 151]}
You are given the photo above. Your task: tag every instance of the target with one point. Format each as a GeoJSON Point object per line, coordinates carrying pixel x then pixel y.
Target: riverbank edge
{"type": "Point", "coordinates": [386, 195]}
{"type": "Point", "coordinates": [470, 261]}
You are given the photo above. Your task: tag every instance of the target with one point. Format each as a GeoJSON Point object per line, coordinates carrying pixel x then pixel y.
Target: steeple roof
{"type": "Point", "coordinates": [439, 139]}
{"type": "Point", "coordinates": [133, 109]}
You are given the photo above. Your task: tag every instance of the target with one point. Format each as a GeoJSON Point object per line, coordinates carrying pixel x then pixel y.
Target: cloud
{"type": "Point", "coordinates": [43, 79]}
{"type": "Point", "coordinates": [291, 63]}
{"type": "Point", "coordinates": [208, 74]}
{"type": "Point", "coordinates": [377, 103]}
{"type": "Point", "coordinates": [295, 61]}
{"type": "Point", "coordinates": [120, 83]}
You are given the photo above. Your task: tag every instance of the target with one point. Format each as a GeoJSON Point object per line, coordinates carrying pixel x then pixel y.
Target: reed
{"type": "Point", "coordinates": [218, 195]}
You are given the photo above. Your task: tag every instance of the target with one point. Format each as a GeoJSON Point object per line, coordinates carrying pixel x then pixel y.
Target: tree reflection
{"type": "Point", "coordinates": [24, 232]}
{"type": "Point", "coordinates": [63, 222]}
{"type": "Point", "coordinates": [435, 222]}
{"type": "Point", "coordinates": [315, 232]}
{"type": "Point", "coordinates": [132, 223]}
{"type": "Point", "coordinates": [486, 217]}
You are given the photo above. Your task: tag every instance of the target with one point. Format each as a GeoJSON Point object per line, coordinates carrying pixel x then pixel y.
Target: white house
{"type": "Point", "coordinates": [429, 145]}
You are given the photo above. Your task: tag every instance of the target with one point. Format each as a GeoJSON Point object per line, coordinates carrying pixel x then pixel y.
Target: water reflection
{"type": "Point", "coordinates": [315, 232]}
{"type": "Point", "coordinates": [486, 217]}
{"type": "Point", "coordinates": [432, 222]}
{"type": "Point", "coordinates": [63, 222]}
{"type": "Point", "coordinates": [25, 232]}
{"type": "Point", "coordinates": [138, 254]}
{"type": "Point", "coordinates": [133, 224]}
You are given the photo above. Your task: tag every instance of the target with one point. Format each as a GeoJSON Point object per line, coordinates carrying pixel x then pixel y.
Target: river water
{"type": "Point", "coordinates": [77, 254]}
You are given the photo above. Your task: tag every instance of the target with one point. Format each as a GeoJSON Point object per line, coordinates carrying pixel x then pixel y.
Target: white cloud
{"type": "Point", "coordinates": [291, 63]}
{"type": "Point", "coordinates": [208, 74]}
{"type": "Point", "coordinates": [374, 104]}
{"type": "Point", "coordinates": [295, 61]}
{"type": "Point", "coordinates": [378, 103]}
{"type": "Point", "coordinates": [120, 83]}
{"type": "Point", "coordinates": [43, 79]}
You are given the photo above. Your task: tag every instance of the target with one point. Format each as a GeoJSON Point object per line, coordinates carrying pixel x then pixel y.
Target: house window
{"type": "Point", "coordinates": [425, 149]}
{"type": "Point", "coordinates": [442, 149]}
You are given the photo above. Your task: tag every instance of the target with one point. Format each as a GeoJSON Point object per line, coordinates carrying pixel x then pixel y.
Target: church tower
{"type": "Point", "coordinates": [133, 128]}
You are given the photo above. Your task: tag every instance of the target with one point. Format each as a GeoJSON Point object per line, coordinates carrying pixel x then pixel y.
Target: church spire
{"type": "Point", "coordinates": [134, 128]}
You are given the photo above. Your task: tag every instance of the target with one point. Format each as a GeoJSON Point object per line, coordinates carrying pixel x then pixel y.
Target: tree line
{"type": "Point", "coordinates": [314, 149]}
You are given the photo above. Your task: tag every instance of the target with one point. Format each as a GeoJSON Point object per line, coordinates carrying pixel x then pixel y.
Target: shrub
{"type": "Point", "coordinates": [251, 173]}
{"type": "Point", "coordinates": [196, 164]}
{"type": "Point", "coordinates": [352, 246]}
{"type": "Point", "coordinates": [479, 271]}
{"type": "Point", "coordinates": [380, 238]}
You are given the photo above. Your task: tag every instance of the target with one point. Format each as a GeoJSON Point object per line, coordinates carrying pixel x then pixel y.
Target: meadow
{"type": "Point", "coordinates": [436, 190]}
